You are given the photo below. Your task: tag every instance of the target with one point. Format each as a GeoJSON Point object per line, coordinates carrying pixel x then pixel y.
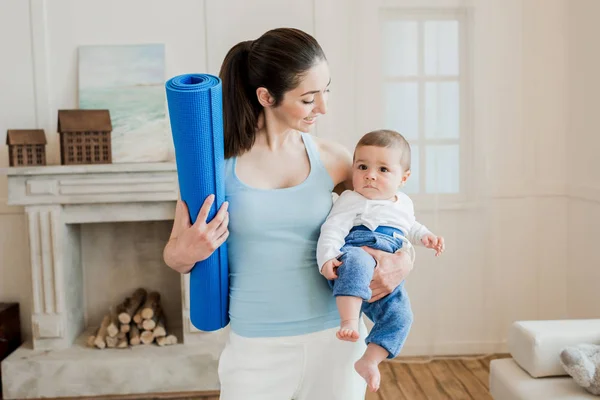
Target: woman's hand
{"type": "Point", "coordinates": [189, 243]}
{"type": "Point", "coordinates": [390, 270]}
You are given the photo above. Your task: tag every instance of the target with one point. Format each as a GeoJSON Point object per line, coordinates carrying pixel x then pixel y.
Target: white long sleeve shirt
{"type": "Point", "coordinates": [353, 209]}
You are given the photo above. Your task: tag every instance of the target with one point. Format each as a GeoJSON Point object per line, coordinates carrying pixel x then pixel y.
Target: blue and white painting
{"type": "Point", "coordinates": [128, 80]}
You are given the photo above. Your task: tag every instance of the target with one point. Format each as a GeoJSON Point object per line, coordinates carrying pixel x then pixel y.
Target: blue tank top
{"type": "Point", "coordinates": [275, 288]}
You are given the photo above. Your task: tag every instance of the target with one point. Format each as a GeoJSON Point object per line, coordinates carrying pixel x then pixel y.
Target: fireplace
{"type": "Point", "coordinates": [96, 233]}
{"type": "Point", "coordinates": [118, 258]}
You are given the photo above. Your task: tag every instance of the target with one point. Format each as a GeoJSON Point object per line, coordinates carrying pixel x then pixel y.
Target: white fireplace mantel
{"type": "Point", "coordinates": [57, 200]}
{"type": "Point", "coordinates": [116, 190]}
{"type": "Point", "coordinates": [56, 197]}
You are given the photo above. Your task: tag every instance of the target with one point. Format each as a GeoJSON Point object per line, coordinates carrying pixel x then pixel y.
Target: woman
{"type": "Point", "coordinates": [278, 184]}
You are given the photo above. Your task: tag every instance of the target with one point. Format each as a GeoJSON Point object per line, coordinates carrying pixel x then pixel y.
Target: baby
{"type": "Point", "coordinates": [377, 215]}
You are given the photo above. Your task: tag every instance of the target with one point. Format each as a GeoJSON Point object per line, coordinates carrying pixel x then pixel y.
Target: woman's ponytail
{"type": "Point", "coordinates": [240, 107]}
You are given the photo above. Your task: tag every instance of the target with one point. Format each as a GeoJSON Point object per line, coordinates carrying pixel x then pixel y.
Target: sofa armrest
{"type": "Point", "coordinates": [536, 345]}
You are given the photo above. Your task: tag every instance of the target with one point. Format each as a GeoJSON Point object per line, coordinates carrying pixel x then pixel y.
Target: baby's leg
{"type": "Point", "coordinates": [392, 318]}
{"type": "Point", "coordinates": [368, 365]}
{"type": "Point", "coordinates": [351, 288]}
{"type": "Point", "coordinates": [349, 309]}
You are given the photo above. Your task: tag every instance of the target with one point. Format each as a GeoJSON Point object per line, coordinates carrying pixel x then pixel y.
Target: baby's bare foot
{"type": "Point", "coordinates": [369, 371]}
{"type": "Point", "coordinates": [348, 330]}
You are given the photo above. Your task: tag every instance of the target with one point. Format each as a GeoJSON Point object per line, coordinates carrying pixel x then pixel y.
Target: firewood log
{"type": "Point", "coordinates": [92, 338]}
{"type": "Point", "coordinates": [100, 341]}
{"type": "Point", "coordinates": [161, 341]}
{"type": "Point", "coordinates": [150, 323]}
{"type": "Point", "coordinates": [125, 328]}
{"type": "Point", "coordinates": [166, 340]}
{"type": "Point", "coordinates": [129, 308]}
{"type": "Point", "coordinates": [147, 337]}
{"type": "Point", "coordinates": [137, 317]}
{"type": "Point", "coordinates": [111, 342]}
{"type": "Point", "coordinates": [123, 343]}
{"type": "Point", "coordinates": [160, 329]}
{"type": "Point", "coordinates": [151, 305]}
{"type": "Point", "coordinates": [114, 325]}
{"type": "Point", "coordinates": [121, 335]}
{"type": "Point", "coordinates": [121, 309]}
{"type": "Point", "coordinates": [134, 335]}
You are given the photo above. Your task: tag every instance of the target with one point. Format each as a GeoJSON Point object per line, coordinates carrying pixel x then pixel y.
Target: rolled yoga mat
{"type": "Point", "coordinates": [196, 115]}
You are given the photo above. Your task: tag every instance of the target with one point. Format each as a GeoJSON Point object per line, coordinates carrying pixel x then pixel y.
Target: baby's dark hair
{"type": "Point", "coordinates": [390, 139]}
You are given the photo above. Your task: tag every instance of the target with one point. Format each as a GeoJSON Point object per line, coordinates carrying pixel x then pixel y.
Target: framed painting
{"type": "Point", "coordinates": [128, 80]}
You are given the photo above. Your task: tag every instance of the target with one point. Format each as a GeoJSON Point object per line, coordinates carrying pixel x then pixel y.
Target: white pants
{"type": "Point", "coordinates": [315, 366]}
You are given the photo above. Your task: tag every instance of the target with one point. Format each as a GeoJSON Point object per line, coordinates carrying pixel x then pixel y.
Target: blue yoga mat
{"type": "Point", "coordinates": [196, 115]}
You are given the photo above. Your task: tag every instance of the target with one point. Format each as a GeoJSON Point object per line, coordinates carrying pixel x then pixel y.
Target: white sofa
{"type": "Point", "coordinates": [534, 371]}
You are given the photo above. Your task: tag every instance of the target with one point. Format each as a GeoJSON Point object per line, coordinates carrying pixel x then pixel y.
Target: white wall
{"type": "Point", "coordinates": [583, 147]}
{"type": "Point", "coordinates": [498, 267]}
{"type": "Point", "coordinates": [17, 110]}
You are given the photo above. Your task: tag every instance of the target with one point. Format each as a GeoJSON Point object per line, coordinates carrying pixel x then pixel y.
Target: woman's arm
{"type": "Point", "coordinates": [189, 243]}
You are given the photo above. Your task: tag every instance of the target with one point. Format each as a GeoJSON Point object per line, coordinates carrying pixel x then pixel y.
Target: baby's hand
{"type": "Point", "coordinates": [330, 267]}
{"type": "Point", "coordinates": [434, 242]}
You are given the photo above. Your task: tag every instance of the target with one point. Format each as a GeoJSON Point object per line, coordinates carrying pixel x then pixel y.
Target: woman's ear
{"type": "Point", "coordinates": [264, 97]}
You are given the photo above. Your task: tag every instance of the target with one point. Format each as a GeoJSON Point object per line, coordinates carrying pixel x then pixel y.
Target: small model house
{"type": "Point", "coordinates": [85, 136]}
{"type": "Point", "coordinates": [26, 147]}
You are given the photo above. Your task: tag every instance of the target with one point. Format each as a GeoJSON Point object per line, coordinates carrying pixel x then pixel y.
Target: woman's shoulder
{"type": "Point", "coordinates": [331, 148]}
{"type": "Point", "coordinates": [336, 158]}
{"type": "Point", "coordinates": [333, 153]}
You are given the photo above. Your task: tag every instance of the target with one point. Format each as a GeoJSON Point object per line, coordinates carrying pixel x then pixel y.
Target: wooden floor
{"type": "Point", "coordinates": [450, 378]}
{"type": "Point", "coordinates": [454, 378]}
{"type": "Point", "coordinates": [457, 378]}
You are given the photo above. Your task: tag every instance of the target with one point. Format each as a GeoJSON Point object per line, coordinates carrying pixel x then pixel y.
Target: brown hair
{"type": "Point", "coordinates": [390, 139]}
{"type": "Point", "coordinates": [276, 61]}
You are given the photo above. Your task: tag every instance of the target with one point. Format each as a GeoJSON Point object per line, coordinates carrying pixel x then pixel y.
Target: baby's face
{"type": "Point", "coordinates": [377, 173]}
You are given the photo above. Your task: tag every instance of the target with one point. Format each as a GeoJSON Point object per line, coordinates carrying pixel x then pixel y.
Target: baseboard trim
{"type": "Point", "coordinates": [145, 396]}
{"type": "Point", "coordinates": [454, 348]}
{"type": "Point", "coordinates": [585, 193]}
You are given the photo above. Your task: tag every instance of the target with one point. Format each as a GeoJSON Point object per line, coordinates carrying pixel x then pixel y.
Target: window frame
{"type": "Point", "coordinates": [464, 79]}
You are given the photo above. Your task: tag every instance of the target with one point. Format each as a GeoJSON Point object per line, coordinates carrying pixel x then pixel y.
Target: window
{"type": "Point", "coordinates": [425, 94]}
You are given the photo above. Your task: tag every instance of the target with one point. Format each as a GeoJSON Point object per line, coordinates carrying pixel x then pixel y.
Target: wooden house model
{"type": "Point", "coordinates": [26, 147]}
{"type": "Point", "coordinates": [85, 136]}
